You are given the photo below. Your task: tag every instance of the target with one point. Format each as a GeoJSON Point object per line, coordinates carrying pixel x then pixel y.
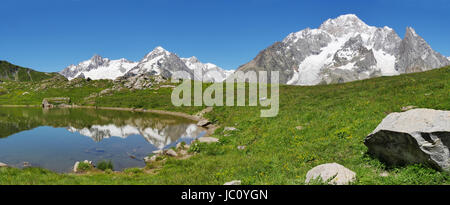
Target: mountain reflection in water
{"type": "Point", "coordinates": [56, 138]}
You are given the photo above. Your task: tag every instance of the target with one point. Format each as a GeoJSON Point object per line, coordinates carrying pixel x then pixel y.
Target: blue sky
{"type": "Point", "coordinates": [48, 35]}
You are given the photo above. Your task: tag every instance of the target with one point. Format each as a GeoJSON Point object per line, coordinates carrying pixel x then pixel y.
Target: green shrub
{"type": "Point", "coordinates": [194, 148]}
{"type": "Point", "coordinates": [84, 166]}
{"type": "Point", "coordinates": [104, 165]}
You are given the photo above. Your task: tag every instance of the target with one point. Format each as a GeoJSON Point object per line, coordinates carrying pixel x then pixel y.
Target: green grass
{"type": "Point", "coordinates": [104, 165]}
{"type": "Point", "coordinates": [335, 121]}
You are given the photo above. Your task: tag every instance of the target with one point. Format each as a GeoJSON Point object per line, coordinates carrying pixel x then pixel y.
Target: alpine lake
{"type": "Point", "coordinates": [57, 138]}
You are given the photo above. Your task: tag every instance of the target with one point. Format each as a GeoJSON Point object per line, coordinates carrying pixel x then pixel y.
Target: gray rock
{"type": "Point", "coordinates": [414, 136]}
{"type": "Point", "coordinates": [183, 152]}
{"type": "Point", "coordinates": [186, 147]}
{"type": "Point", "coordinates": [409, 107]}
{"type": "Point", "coordinates": [171, 152]}
{"type": "Point", "coordinates": [75, 167]}
{"type": "Point", "coordinates": [3, 164]}
{"type": "Point", "coordinates": [150, 159]}
{"type": "Point", "coordinates": [335, 173]}
{"type": "Point", "coordinates": [234, 182]}
{"type": "Point", "coordinates": [179, 146]}
{"type": "Point", "coordinates": [207, 140]}
{"type": "Point", "coordinates": [229, 129]}
{"type": "Point", "coordinates": [203, 123]}
{"type": "Point", "coordinates": [158, 152]}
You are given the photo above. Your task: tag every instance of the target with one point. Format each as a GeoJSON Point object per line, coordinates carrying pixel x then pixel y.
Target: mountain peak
{"type": "Point", "coordinates": [345, 24]}
{"type": "Point", "coordinates": [160, 49]}
{"type": "Point", "coordinates": [96, 57]}
{"type": "Point", "coordinates": [410, 32]}
{"type": "Point", "coordinates": [343, 20]}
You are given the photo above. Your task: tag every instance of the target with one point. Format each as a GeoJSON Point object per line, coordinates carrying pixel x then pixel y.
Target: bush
{"type": "Point", "coordinates": [84, 166]}
{"type": "Point", "coordinates": [105, 165]}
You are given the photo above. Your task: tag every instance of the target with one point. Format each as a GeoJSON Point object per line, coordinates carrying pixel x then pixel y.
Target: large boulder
{"type": "Point", "coordinates": [3, 164]}
{"type": "Point", "coordinates": [416, 136]}
{"type": "Point", "coordinates": [334, 173]}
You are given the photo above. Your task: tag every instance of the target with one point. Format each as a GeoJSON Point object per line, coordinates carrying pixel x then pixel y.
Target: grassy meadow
{"type": "Point", "coordinates": [334, 118]}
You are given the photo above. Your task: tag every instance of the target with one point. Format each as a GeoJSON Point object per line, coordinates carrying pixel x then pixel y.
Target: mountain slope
{"type": "Point", "coordinates": [13, 72]}
{"type": "Point", "coordinates": [345, 49]}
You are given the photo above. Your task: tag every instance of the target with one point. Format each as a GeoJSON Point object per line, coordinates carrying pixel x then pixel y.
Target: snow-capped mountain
{"type": "Point", "coordinates": [209, 71]}
{"type": "Point", "coordinates": [345, 49]}
{"type": "Point", "coordinates": [98, 68]}
{"type": "Point", "coordinates": [158, 62]}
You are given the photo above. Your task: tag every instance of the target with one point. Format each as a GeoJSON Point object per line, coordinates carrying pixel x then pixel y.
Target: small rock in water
{"type": "Point", "coordinates": [207, 140]}
{"type": "Point", "coordinates": [336, 173]}
{"type": "Point", "coordinates": [203, 123]}
{"type": "Point", "coordinates": [3, 164]}
{"type": "Point", "coordinates": [26, 164]}
{"type": "Point", "coordinates": [171, 152]}
{"type": "Point", "coordinates": [234, 182]}
{"type": "Point", "coordinates": [241, 147]}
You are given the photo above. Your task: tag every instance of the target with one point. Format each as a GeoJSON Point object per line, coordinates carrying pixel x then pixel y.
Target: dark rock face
{"type": "Point", "coordinates": [273, 58]}
{"type": "Point", "coordinates": [416, 136]}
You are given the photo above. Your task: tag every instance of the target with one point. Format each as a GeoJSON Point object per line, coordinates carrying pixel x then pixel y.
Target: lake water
{"type": "Point", "coordinates": [56, 138]}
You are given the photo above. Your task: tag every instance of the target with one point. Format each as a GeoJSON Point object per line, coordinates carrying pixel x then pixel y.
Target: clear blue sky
{"type": "Point", "coordinates": [48, 35]}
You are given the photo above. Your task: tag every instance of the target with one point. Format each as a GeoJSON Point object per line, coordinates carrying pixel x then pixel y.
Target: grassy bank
{"type": "Point", "coordinates": [335, 120]}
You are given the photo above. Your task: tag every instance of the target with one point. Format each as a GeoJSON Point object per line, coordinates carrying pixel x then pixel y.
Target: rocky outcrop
{"type": "Point", "coordinates": [333, 173]}
{"type": "Point", "coordinates": [416, 55]}
{"type": "Point", "coordinates": [3, 164]}
{"type": "Point", "coordinates": [203, 123]}
{"type": "Point", "coordinates": [415, 136]}
{"type": "Point", "coordinates": [55, 102]}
